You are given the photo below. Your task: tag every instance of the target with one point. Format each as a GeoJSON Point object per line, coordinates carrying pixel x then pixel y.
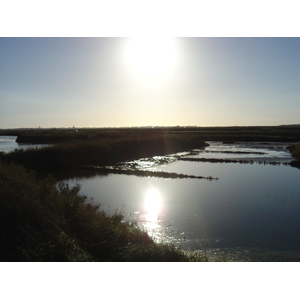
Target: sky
{"type": "Point", "coordinates": [148, 81]}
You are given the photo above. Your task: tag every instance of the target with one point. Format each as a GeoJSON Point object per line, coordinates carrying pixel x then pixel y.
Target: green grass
{"type": "Point", "coordinates": [42, 221]}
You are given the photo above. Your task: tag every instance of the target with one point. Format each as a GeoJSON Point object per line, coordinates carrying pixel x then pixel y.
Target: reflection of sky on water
{"type": "Point", "coordinates": [8, 144]}
{"type": "Point", "coordinates": [258, 152]}
{"type": "Point", "coordinates": [272, 151]}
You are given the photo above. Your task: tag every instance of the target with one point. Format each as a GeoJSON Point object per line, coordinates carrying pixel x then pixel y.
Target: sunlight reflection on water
{"type": "Point", "coordinates": [149, 217]}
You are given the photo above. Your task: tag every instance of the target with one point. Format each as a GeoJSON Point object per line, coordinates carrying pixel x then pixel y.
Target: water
{"type": "Point", "coordinates": [250, 211]}
{"type": "Point", "coordinates": [252, 208]}
{"type": "Point", "coordinates": [8, 143]}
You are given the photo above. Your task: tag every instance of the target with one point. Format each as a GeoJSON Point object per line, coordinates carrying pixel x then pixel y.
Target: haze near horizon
{"type": "Point", "coordinates": [149, 81]}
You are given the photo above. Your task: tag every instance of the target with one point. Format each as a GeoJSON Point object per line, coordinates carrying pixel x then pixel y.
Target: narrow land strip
{"type": "Point", "coordinates": [145, 173]}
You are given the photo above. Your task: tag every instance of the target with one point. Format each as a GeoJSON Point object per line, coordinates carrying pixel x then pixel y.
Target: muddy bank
{"type": "Point", "coordinates": [240, 161]}
{"type": "Point", "coordinates": [143, 173]}
{"type": "Point", "coordinates": [235, 152]}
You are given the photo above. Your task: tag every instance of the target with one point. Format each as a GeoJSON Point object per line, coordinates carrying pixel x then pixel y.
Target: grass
{"type": "Point", "coordinates": [42, 221]}
{"type": "Point", "coordinates": [288, 133]}
{"type": "Point", "coordinates": [295, 150]}
{"type": "Point", "coordinates": [101, 152]}
{"type": "Point", "coordinates": [108, 146]}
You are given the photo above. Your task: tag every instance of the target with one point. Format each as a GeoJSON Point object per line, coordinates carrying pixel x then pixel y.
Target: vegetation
{"type": "Point", "coordinates": [148, 173]}
{"type": "Point", "coordinates": [240, 161]}
{"type": "Point", "coordinates": [74, 148]}
{"type": "Point", "coordinates": [287, 133]}
{"type": "Point", "coordinates": [108, 150]}
{"type": "Point", "coordinates": [41, 221]}
{"type": "Point", "coordinates": [295, 150]}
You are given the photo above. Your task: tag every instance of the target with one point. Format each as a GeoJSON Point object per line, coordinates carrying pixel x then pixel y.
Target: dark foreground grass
{"type": "Point", "coordinates": [41, 221]}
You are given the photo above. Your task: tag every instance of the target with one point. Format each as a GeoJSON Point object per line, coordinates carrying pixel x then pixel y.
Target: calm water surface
{"type": "Point", "coordinates": [251, 207]}
{"type": "Point", "coordinates": [8, 143]}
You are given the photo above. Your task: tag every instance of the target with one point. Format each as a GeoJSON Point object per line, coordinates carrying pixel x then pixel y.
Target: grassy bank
{"type": "Point", "coordinates": [101, 152]}
{"type": "Point", "coordinates": [295, 150]}
{"type": "Point", "coordinates": [44, 222]}
{"type": "Point", "coordinates": [74, 148]}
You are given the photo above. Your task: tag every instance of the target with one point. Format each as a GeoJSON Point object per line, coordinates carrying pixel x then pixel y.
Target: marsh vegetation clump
{"type": "Point", "coordinates": [295, 150]}
{"type": "Point", "coordinates": [101, 151]}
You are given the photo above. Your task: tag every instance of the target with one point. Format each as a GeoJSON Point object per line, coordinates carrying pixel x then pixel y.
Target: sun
{"type": "Point", "coordinates": [151, 59]}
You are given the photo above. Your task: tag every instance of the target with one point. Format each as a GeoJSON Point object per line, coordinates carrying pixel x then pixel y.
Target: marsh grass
{"type": "Point", "coordinates": [287, 133]}
{"type": "Point", "coordinates": [101, 151]}
{"type": "Point", "coordinates": [295, 150]}
{"type": "Point", "coordinates": [44, 221]}
{"type": "Point", "coordinates": [101, 147]}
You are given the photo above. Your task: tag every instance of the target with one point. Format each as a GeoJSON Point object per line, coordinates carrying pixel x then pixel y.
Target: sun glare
{"type": "Point", "coordinates": [152, 209]}
{"type": "Point", "coordinates": [151, 59]}
{"type": "Point", "coordinates": [153, 202]}
{"type": "Point", "coordinates": [151, 214]}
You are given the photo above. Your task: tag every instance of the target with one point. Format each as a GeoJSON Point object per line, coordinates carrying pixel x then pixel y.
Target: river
{"type": "Point", "coordinates": [250, 211]}
{"type": "Point", "coordinates": [253, 209]}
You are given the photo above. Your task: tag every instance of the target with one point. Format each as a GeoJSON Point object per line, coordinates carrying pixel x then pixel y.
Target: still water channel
{"type": "Point", "coordinates": [252, 208]}
{"type": "Point", "coordinates": [8, 143]}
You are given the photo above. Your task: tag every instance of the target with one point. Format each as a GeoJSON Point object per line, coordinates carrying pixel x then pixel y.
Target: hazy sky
{"type": "Point", "coordinates": [115, 82]}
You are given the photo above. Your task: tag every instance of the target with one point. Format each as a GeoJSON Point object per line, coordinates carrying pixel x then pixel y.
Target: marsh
{"type": "Point", "coordinates": [252, 209]}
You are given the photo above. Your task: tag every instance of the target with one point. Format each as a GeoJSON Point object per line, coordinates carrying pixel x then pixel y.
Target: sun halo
{"type": "Point", "coordinates": [151, 59]}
